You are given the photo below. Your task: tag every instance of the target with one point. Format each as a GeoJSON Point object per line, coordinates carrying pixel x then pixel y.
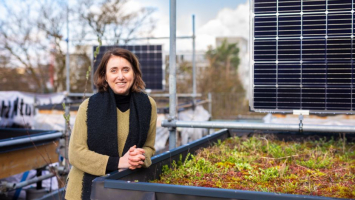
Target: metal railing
{"type": "Point", "coordinates": [260, 126]}
{"type": "Point", "coordinates": [28, 139]}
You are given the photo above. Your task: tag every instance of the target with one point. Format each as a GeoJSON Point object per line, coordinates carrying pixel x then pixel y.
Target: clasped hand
{"type": "Point", "coordinates": [133, 158]}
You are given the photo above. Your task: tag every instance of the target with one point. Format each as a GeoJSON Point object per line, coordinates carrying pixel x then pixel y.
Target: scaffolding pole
{"type": "Point", "coordinates": [141, 38]}
{"type": "Point", "coordinates": [30, 139]}
{"type": "Point", "coordinates": [67, 59]}
{"type": "Point", "coordinates": [193, 59]}
{"type": "Point", "coordinates": [67, 105]}
{"type": "Point", "coordinates": [13, 186]}
{"type": "Point", "coordinates": [172, 74]}
{"type": "Point", "coordinates": [260, 126]}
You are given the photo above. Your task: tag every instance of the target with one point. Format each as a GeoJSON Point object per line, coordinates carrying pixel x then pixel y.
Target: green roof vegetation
{"type": "Point", "coordinates": [322, 167]}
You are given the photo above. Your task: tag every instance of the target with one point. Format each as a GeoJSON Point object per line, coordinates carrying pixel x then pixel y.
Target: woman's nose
{"type": "Point", "coordinates": [120, 75]}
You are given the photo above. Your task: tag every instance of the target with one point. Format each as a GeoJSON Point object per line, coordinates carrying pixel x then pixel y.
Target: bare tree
{"type": "Point", "coordinates": [110, 21]}
{"type": "Point", "coordinates": [31, 34]}
{"type": "Point", "coordinates": [26, 32]}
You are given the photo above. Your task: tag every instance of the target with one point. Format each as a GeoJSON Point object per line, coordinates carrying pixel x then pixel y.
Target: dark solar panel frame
{"type": "Point", "coordinates": [302, 56]}
{"type": "Point", "coordinates": [151, 62]}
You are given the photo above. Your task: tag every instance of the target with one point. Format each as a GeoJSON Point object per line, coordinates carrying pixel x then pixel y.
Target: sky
{"type": "Point", "coordinates": [213, 18]}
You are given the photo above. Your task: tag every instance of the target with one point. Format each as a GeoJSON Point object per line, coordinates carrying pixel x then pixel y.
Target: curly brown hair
{"type": "Point", "coordinates": [100, 73]}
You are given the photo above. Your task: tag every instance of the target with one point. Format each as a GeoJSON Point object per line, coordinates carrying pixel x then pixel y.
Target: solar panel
{"type": "Point", "coordinates": [302, 56]}
{"type": "Point", "coordinates": [151, 62]}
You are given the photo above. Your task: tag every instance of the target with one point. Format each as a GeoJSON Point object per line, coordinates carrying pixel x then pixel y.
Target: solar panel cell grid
{"type": "Point", "coordinates": [289, 26]}
{"type": "Point", "coordinates": [289, 6]}
{"type": "Point", "coordinates": [314, 25]}
{"type": "Point", "coordinates": [266, 26]}
{"type": "Point", "coordinates": [313, 6]}
{"type": "Point", "coordinates": [265, 50]}
{"type": "Point", "coordinates": [339, 24]}
{"type": "Point", "coordinates": [265, 6]}
{"type": "Point", "coordinates": [303, 56]}
{"type": "Point", "coordinates": [339, 5]}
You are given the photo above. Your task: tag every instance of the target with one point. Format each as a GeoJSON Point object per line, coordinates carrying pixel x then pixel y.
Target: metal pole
{"type": "Point", "coordinates": [13, 186]}
{"type": "Point", "coordinates": [142, 38]}
{"type": "Point", "coordinates": [67, 56]}
{"type": "Point", "coordinates": [67, 108]}
{"type": "Point", "coordinates": [260, 126]}
{"type": "Point", "coordinates": [193, 58]}
{"type": "Point", "coordinates": [210, 103]}
{"type": "Point", "coordinates": [172, 74]}
{"type": "Point", "coordinates": [210, 131]}
{"type": "Point", "coordinates": [31, 139]}
{"type": "Point", "coordinates": [67, 128]}
{"type": "Point", "coordinates": [178, 95]}
{"type": "Point", "coordinates": [152, 95]}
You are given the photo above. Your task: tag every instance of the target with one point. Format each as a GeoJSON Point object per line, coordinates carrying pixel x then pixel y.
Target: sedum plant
{"type": "Point", "coordinates": [309, 167]}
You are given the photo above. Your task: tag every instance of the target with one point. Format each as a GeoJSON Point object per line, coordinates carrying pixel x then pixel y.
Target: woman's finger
{"type": "Point", "coordinates": [132, 148]}
{"type": "Point", "coordinates": [137, 151]}
{"type": "Point", "coordinates": [142, 151]}
{"type": "Point", "coordinates": [133, 159]}
{"type": "Point", "coordinates": [136, 158]}
{"type": "Point", "coordinates": [134, 164]}
{"type": "Point", "coordinates": [133, 153]}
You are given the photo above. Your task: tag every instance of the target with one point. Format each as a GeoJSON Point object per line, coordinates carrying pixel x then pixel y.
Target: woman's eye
{"type": "Point", "coordinates": [113, 70]}
{"type": "Point", "coordinates": [125, 69]}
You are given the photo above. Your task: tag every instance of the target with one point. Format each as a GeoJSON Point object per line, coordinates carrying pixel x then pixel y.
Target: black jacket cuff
{"type": "Point", "coordinates": [112, 164]}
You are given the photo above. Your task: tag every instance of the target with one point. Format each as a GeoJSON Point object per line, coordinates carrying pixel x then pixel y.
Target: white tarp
{"type": "Point", "coordinates": [162, 134]}
{"type": "Point", "coordinates": [187, 134]}
{"type": "Point", "coordinates": [52, 120]}
{"type": "Point", "coordinates": [191, 134]}
{"type": "Point", "coordinates": [18, 107]}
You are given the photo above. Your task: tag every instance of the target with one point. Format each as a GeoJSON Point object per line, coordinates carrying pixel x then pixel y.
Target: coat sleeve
{"type": "Point", "coordinates": [149, 144]}
{"type": "Point", "coordinates": [79, 154]}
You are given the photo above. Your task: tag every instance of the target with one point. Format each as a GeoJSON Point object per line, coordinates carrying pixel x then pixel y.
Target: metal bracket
{"type": "Point", "coordinates": [300, 114]}
{"type": "Point", "coordinates": [172, 128]}
{"type": "Point", "coordinates": [301, 124]}
{"type": "Point", "coordinates": [171, 120]}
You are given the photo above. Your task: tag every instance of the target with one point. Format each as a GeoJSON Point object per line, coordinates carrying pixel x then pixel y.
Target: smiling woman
{"type": "Point", "coordinates": [119, 66]}
{"type": "Point", "coordinates": [119, 75]}
{"type": "Point", "coordinates": [115, 128]}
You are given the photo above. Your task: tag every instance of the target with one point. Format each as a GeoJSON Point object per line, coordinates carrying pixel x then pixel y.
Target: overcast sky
{"type": "Point", "coordinates": [213, 18]}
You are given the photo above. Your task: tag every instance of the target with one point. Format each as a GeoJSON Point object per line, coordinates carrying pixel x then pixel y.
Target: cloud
{"type": "Point", "coordinates": [228, 23]}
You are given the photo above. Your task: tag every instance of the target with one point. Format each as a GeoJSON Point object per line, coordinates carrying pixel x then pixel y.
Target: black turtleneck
{"type": "Point", "coordinates": [122, 102]}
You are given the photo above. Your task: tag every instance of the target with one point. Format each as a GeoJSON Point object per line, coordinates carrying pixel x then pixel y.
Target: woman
{"type": "Point", "coordinates": [115, 128]}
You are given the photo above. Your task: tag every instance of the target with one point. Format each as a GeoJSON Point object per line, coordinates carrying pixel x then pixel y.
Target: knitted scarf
{"type": "Point", "coordinates": [102, 127]}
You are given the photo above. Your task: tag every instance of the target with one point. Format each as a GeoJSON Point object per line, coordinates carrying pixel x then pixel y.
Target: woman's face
{"type": "Point", "coordinates": [119, 75]}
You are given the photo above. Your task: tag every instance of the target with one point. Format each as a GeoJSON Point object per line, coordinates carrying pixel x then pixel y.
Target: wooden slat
{"type": "Point", "coordinates": [15, 162]}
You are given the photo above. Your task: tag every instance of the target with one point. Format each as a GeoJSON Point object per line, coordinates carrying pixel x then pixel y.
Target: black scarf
{"type": "Point", "coordinates": [102, 127]}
